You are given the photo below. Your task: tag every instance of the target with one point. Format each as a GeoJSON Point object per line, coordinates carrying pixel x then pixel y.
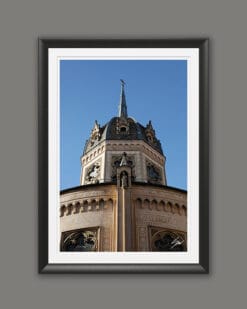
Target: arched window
{"type": "Point", "coordinates": [80, 240]}
{"type": "Point", "coordinates": [167, 240]}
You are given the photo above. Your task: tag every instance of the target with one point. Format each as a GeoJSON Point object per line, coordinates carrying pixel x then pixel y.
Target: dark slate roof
{"type": "Point", "coordinates": [136, 132]}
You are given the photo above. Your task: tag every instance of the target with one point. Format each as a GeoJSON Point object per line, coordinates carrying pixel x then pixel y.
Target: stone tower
{"type": "Point", "coordinates": [123, 202]}
{"type": "Point", "coordinates": [122, 134]}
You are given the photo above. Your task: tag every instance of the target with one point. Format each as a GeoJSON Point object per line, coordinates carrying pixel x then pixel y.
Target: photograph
{"type": "Point", "coordinates": [123, 134]}
{"type": "Point", "coordinates": [123, 155]}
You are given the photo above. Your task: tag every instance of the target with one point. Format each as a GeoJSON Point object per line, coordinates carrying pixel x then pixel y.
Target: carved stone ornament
{"type": "Point", "coordinates": [153, 173]}
{"type": "Point", "coordinates": [150, 133]}
{"type": "Point", "coordinates": [122, 126]}
{"type": "Point", "coordinates": [93, 173]}
{"type": "Point", "coordinates": [95, 133]}
{"type": "Point", "coordinates": [122, 160]}
{"type": "Point", "coordinates": [124, 179]}
{"type": "Point", "coordinates": [80, 240]}
{"type": "Point", "coordinates": [167, 240]}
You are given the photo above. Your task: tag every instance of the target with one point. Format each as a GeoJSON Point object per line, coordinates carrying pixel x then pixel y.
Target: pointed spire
{"type": "Point", "coordinates": [123, 159]}
{"type": "Point", "coordinates": [122, 104]}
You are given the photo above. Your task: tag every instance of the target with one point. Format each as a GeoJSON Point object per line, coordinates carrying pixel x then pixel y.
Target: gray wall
{"type": "Point", "coordinates": [21, 22]}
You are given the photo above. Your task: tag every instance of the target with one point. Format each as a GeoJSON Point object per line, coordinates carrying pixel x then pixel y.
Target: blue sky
{"type": "Point", "coordinates": [155, 90]}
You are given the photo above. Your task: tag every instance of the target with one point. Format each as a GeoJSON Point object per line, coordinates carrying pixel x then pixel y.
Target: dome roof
{"type": "Point", "coordinates": [122, 128]}
{"type": "Point", "coordinates": [119, 128]}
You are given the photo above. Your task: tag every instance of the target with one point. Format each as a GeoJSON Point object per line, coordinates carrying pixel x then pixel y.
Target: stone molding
{"type": "Point", "coordinates": [78, 206]}
{"type": "Point", "coordinates": [161, 205]}
{"type": "Point", "coordinates": [121, 145]}
{"type": "Point", "coordinates": [138, 145]}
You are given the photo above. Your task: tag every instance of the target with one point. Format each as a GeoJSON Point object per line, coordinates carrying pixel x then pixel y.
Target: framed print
{"type": "Point", "coordinates": [123, 156]}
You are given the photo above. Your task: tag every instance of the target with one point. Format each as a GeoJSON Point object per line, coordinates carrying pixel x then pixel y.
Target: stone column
{"type": "Point", "coordinates": [124, 210]}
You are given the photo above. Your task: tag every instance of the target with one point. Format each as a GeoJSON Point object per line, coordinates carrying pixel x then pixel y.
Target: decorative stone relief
{"type": "Point", "coordinates": [166, 240]}
{"type": "Point", "coordinates": [124, 179]}
{"type": "Point", "coordinates": [151, 137]}
{"type": "Point", "coordinates": [93, 173]}
{"type": "Point", "coordinates": [122, 126]}
{"type": "Point", "coordinates": [153, 173]}
{"type": "Point", "coordinates": [147, 218]}
{"type": "Point", "coordinates": [116, 162]}
{"type": "Point", "coordinates": [80, 240]}
{"type": "Point", "coordinates": [150, 133]}
{"type": "Point", "coordinates": [95, 134]}
{"type": "Point", "coordinates": [142, 241]}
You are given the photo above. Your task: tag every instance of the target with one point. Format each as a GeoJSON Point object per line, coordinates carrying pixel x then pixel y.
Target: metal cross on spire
{"type": "Point", "coordinates": [122, 82]}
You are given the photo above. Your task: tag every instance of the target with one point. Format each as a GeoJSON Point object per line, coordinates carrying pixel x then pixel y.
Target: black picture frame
{"type": "Point", "coordinates": [203, 46]}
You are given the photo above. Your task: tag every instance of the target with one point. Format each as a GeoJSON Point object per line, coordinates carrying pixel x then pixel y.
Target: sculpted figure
{"type": "Point", "coordinates": [124, 180]}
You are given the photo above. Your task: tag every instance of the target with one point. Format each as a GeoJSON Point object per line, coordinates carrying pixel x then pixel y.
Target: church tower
{"type": "Point", "coordinates": [123, 135]}
{"type": "Point", "coordinates": [123, 202]}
